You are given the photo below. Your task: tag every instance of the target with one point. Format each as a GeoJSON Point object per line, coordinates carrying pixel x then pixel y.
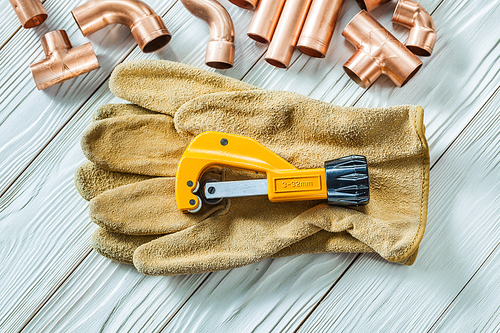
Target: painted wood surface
{"type": "Point", "coordinates": [52, 280]}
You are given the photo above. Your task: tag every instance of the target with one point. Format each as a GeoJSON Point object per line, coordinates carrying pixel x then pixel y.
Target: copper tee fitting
{"type": "Point", "coordinates": [63, 62]}
{"type": "Point", "coordinates": [318, 29]}
{"type": "Point", "coordinates": [412, 15]}
{"type": "Point", "coordinates": [30, 12]}
{"type": "Point", "coordinates": [220, 48]}
{"type": "Point", "coordinates": [287, 32]}
{"type": "Point", "coordinates": [246, 4]}
{"type": "Point", "coordinates": [370, 5]}
{"type": "Point", "coordinates": [146, 26]}
{"type": "Point", "coordinates": [264, 20]}
{"type": "Point", "coordinates": [378, 52]}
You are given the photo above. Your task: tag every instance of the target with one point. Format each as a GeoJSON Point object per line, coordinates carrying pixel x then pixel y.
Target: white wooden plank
{"type": "Point", "coordinates": [44, 223]}
{"type": "Point", "coordinates": [463, 229]}
{"type": "Point", "coordinates": [103, 296]}
{"type": "Point", "coordinates": [477, 308]}
{"type": "Point", "coordinates": [10, 22]}
{"type": "Point", "coordinates": [269, 295]}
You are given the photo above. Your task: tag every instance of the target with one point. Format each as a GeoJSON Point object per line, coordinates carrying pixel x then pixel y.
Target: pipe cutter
{"type": "Point", "coordinates": [342, 181]}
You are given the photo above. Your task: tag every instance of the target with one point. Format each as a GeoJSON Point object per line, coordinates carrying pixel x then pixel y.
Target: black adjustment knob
{"type": "Point", "coordinates": [347, 181]}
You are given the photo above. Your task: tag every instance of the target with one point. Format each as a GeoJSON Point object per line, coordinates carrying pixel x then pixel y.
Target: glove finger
{"type": "Point", "coordinates": [253, 229]}
{"type": "Point", "coordinates": [325, 242]}
{"type": "Point", "coordinates": [90, 180]}
{"type": "Point", "coordinates": [304, 131]}
{"type": "Point", "coordinates": [163, 86]}
{"type": "Point", "coordinates": [146, 145]}
{"type": "Point", "coordinates": [145, 208]}
{"type": "Point", "coordinates": [119, 110]}
{"type": "Point", "coordinates": [117, 246]}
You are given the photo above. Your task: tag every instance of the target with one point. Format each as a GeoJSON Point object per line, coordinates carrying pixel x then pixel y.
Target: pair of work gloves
{"type": "Point", "coordinates": [133, 151]}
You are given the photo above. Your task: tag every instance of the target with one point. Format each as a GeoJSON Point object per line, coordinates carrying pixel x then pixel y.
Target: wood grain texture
{"type": "Point", "coordinates": [271, 295]}
{"type": "Point", "coordinates": [477, 307]}
{"type": "Point", "coordinates": [463, 229]}
{"type": "Point", "coordinates": [103, 296]}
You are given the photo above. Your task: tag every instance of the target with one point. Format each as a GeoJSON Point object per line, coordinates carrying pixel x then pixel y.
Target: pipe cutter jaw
{"type": "Point", "coordinates": [342, 182]}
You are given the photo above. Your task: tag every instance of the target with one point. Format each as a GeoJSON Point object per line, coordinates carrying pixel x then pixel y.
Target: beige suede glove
{"type": "Point", "coordinates": [128, 144]}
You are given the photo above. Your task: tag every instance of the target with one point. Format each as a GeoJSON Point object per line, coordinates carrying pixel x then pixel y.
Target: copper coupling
{"type": "Point", "coordinates": [318, 29]}
{"type": "Point", "coordinates": [287, 33]}
{"type": "Point", "coordinates": [145, 25]}
{"type": "Point", "coordinates": [62, 61]}
{"type": "Point", "coordinates": [378, 52]}
{"type": "Point", "coordinates": [220, 48]}
{"type": "Point", "coordinates": [412, 15]}
{"type": "Point", "coordinates": [246, 4]}
{"type": "Point", "coordinates": [264, 20]}
{"type": "Point", "coordinates": [370, 5]}
{"type": "Point", "coordinates": [30, 12]}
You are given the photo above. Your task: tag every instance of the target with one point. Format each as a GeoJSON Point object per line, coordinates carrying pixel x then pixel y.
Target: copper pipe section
{"type": "Point", "coordinates": [220, 48]}
{"type": "Point", "coordinates": [264, 20]}
{"type": "Point", "coordinates": [287, 33]}
{"type": "Point", "coordinates": [146, 26]}
{"type": "Point", "coordinates": [30, 12]}
{"type": "Point", "coordinates": [370, 5]}
{"type": "Point", "coordinates": [246, 4]}
{"type": "Point", "coordinates": [318, 29]}
{"type": "Point", "coordinates": [63, 62]}
{"type": "Point", "coordinates": [378, 52]}
{"type": "Point", "coordinates": [422, 37]}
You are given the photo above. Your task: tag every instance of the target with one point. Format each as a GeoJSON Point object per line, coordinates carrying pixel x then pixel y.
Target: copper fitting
{"type": "Point", "coordinates": [287, 33]}
{"type": "Point", "coordinates": [146, 26]}
{"type": "Point", "coordinates": [220, 48]}
{"type": "Point", "coordinates": [63, 62]}
{"type": "Point", "coordinates": [264, 20]}
{"type": "Point", "coordinates": [30, 12]}
{"type": "Point", "coordinates": [370, 5]}
{"type": "Point", "coordinates": [318, 29]}
{"type": "Point", "coordinates": [246, 4]}
{"type": "Point", "coordinates": [378, 52]}
{"type": "Point", "coordinates": [422, 37]}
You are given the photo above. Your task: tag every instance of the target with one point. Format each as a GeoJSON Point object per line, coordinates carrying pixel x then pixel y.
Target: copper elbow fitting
{"type": "Point", "coordinates": [264, 20]}
{"type": "Point", "coordinates": [287, 33]}
{"type": "Point", "coordinates": [422, 37]}
{"type": "Point", "coordinates": [378, 52]}
{"type": "Point", "coordinates": [318, 29]}
{"type": "Point", "coordinates": [63, 62]}
{"type": "Point", "coordinates": [146, 26]}
{"type": "Point", "coordinates": [370, 5]}
{"type": "Point", "coordinates": [30, 12]}
{"type": "Point", "coordinates": [246, 4]}
{"type": "Point", "coordinates": [220, 48]}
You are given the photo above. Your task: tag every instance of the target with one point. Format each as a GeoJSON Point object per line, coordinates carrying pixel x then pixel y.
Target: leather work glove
{"type": "Point", "coordinates": [134, 150]}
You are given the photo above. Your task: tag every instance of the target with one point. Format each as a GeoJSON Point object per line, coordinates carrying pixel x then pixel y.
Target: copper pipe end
{"type": "Point", "coordinates": [63, 62]}
{"type": "Point", "coordinates": [287, 33]}
{"type": "Point", "coordinates": [246, 4]}
{"type": "Point", "coordinates": [378, 52]}
{"type": "Point", "coordinates": [264, 20]}
{"type": "Point", "coordinates": [145, 25]}
{"type": "Point", "coordinates": [30, 12]}
{"type": "Point", "coordinates": [220, 48]}
{"type": "Point", "coordinates": [318, 28]}
{"type": "Point", "coordinates": [370, 5]}
{"type": "Point", "coordinates": [422, 37]}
